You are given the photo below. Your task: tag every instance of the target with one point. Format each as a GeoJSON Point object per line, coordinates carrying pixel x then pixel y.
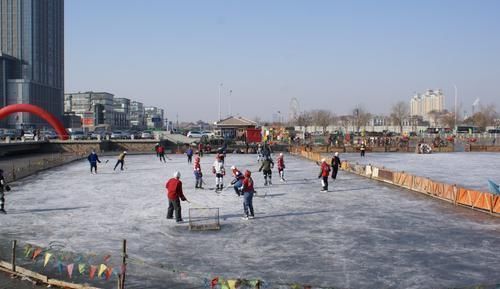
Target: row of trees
{"type": "Point", "coordinates": [399, 116]}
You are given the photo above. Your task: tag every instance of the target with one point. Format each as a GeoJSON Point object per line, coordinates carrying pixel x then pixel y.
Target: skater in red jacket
{"type": "Point", "coordinates": [175, 195]}
{"type": "Point", "coordinates": [281, 167]}
{"type": "Point", "coordinates": [323, 175]}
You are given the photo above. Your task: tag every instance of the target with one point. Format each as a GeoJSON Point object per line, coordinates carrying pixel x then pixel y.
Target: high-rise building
{"type": "Point", "coordinates": [95, 108]}
{"type": "Point", "coordinates": [423, 104]}
{"type": "Point", "coordinates": [137, 115]}
{"type": "Point", "coordinates": [154, 117]}
{"type": "Point", "coordinates": [32, 57]}
{"type": "Point", "coordinates": [121, 110]}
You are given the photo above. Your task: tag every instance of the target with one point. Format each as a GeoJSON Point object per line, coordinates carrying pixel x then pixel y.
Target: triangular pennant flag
{"type": "Point", "coordinates": [223, 285]}
{"type": "Point", "coordinates": [47, 258]}
{"type": "Point", "coordinates": [231, 284]}
{"type": "Point", "coordinates": [59, 267]}
{"type": "Point", "coordinates": [81, 268]}
{"type": "Point", "coordinates": [253, 283]}
{"type": "Point", "coordinates": [214, 282]}
{"type": "Point", "coordinates": [70, 269]}
{"type": "Point", "coordinates": [108, 272]}
{"type": "Point", "coordinates": [28, 252]}
{"type": "Point", "coordinates": [92, 271]}
{"type": "Point", "coordinates": [106, 258]}
{"type": "Point", "coordinates": [36, 253]}
{"type": "Point", "coordinates": [102, 268]}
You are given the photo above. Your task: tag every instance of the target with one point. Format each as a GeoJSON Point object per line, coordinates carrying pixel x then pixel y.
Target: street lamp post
{"type": "Point", "coordinates": [220, 87]}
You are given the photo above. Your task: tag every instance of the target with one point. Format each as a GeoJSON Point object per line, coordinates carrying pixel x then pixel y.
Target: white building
{"type": "Point", "coordinates": [422, 104]}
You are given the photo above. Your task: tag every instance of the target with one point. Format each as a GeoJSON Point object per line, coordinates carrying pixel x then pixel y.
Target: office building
{"type": "Point", "coordinates": [32, 58]}
{"type": "Point", "coordinates": [154, 117]}
{"type": "Point", "coordinates": [423, 104]}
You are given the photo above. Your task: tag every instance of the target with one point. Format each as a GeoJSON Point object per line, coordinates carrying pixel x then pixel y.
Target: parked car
{"type": "Point", "coordinates": [146, 135]}
{"type": "Point", "coordinates": [126, 134]}
{"type": "Point", "coordinates": [194, 134]}
{"type": "Point", "coordinates": [49, 134]}
{"type": "Point", "coordinates": [494, 130]}
{"type": "Point", "coordinates": [116, 134]}
{"type": "Point", "coordinates": [12, 133]}
{"type": "Point", "coordinates": [208, 133]}
{"type": "Point", "coordinates": [29, 135]}
{"type": "Point", "coordinates": [77, 135]}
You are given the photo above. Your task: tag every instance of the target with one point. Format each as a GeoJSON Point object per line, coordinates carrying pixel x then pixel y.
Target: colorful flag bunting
{"type": "Point", "coordinates": [47, 258]}
{"type": "Point", "coordinates": [109, 271]}
{"type": "Point", "coordinates": [102, 268]}
{"type": "Point", "coordinates": [70, 269]}
{"type": "Point", "coordinates": [231, 284]}
{"type": "Point", "coordinates": [81, 268]}
{"type": "Point", "coordinates": [36, 253]}
{"type": "Point", "coordinates": [92, 271]}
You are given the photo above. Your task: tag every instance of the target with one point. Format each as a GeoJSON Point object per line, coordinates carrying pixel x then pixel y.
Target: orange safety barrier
{"type": "Point", "coordinates": [465, 197]}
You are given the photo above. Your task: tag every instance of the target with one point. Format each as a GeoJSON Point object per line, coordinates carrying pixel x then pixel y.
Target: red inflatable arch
{"type": "Point", "coordinates": [47, 116]}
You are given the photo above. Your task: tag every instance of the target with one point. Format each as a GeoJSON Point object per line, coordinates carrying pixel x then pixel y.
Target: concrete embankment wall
{"type": "Point", "coordinates": [482, 201]}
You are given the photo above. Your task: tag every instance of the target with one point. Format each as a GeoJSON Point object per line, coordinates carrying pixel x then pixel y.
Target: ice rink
{"type": "Point", "coordinates": [360, 234]}
{"type": "Point", "coordinates": [470, 170]}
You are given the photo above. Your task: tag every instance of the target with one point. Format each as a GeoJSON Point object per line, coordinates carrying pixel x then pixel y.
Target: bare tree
{"type": "Point", "coordinates": [447, 119]}
{"type": "Point", "coordinates": [434, 116]}
{"type": "Point", "coordinates": [361, 117]}
{"type": "Point", "coordinates": [345, 121]}
{"type": "Point", "coordinates": [485, 116]}
{"type": "Point", "coordinates": [321, 118]}
{"type": "Point", "coordinates": [399, 112]}
{"type": "Point", "coordinates": [304, 119]}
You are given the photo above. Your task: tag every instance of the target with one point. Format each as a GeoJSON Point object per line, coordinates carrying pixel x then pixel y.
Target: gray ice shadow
{"type": "Point", "coordinates": [259, 215]}
{"type": "Point", "coordinates": [348, 190]}
{"type": "Point", "coordinates": [18, 212]}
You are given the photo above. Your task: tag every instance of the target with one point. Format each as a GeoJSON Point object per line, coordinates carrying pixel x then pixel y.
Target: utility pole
{"type": "Point", "coordinates": [230, 93]}
{"type": "Point", "coordinates": [456, 93]}
{"type": "Point", "coordinates": [220, 87]}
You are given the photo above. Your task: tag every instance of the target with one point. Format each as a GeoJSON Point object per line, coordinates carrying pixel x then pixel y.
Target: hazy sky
{"type": "Point", "coordinates": [328, 54]}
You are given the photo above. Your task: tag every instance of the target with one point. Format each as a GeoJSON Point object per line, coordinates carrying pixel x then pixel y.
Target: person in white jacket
{"type": "Point", "coordinates": [219, 171]}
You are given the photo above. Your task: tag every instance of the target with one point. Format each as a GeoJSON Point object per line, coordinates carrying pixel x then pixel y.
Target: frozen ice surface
{"type": "Point", "coordinates": [361, 234]}
{"type": "Point", "coordinates": [470, 170]}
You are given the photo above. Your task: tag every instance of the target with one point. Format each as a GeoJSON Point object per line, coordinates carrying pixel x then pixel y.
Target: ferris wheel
{"type": "Point", "coordinates": [293, 109]}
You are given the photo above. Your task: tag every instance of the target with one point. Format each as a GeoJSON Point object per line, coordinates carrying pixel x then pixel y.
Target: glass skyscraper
{"type": "Point", "coordinates": [32, 57]}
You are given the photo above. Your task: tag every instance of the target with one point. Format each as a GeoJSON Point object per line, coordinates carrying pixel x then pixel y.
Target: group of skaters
{"type": "Point", "coordinates": [242, 183]}
{"type": "Point", "coordinates": [93, 159]}
{"type": "Point", "coordinates": [326, 168]}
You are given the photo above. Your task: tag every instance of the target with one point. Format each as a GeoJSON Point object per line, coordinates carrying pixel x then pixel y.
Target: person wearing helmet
{"type": "Point", "coordinates": [362, 149]}
{"type": "Point", "coordinates": [281, 167]}
{"type": "Point", "coordinates": [157, 145]}
{"type": "Point", "coordinates": [197, 173]}
{"type": "Point", "coordinates": [189, 154]}
{"type": "Point", "coordinates": [238, 179]}
{"type": "Point", "coordinates": [323, 175]}
{"type": "Point", "coordinates": [219, 171]}
{"type": "Point", "coordinates": [248, 192]}
{"type": "Point", "coordinates": [3, 188]}
{"type": "Point", "coordinates": [121, 160]}
{"type": "Point", "coordinates": [161, 153]}
{"type": "Point", "coordinates": [259, 153]}
{"type": "Point", "coordinates": [265, 168]}
{"type": "Point", "coordinates": [93, 160]}
{"type": "Point", "coordinates": [335, 165]}
{"type": "Point", "coordinates": [175, 195]}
